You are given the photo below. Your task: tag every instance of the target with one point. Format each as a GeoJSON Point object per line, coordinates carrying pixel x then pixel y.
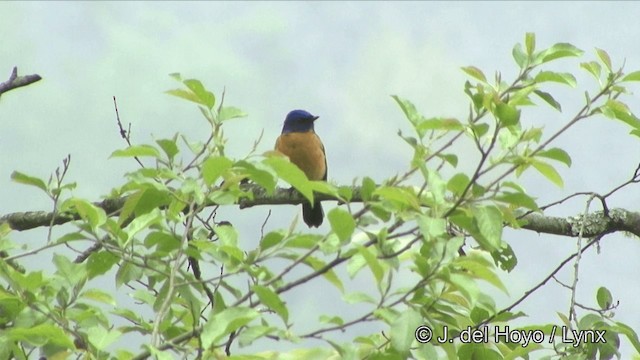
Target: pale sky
{"type": "Point", "coordinates": [338, 60]}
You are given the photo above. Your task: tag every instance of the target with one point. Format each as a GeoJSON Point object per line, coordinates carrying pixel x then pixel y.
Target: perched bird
{"type": "Point", "coordinates": [302, 145]}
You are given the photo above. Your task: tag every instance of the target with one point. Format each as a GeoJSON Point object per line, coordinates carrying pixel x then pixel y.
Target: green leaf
{"type": "Point", "coordinates": [532, 134]}
{"type": "Point", "coordinates": [475, 73]}
{"type": "Point", "coordinates": [604, 298]}
{"type": "Point", "coordinates": [325, 319]}
{"type": "Point", "coordinates": [563, 78]}
{"type": "Point", "coordinates": [489, 220]}
{"type": "Point", "coordinates": [169, 147]}
{"type": "Point", "coordinates": [203, 96]}
{"type": "Point", "coordinates": [408, 109]}
{"type": "Point", "coordinates": [227, 234]}
{"type": "Point", "coordinates": [479, 129]}
{"type": "Point", "coordinates": [260, 174]}
{"type": "Point", "coordinates": [355, 264]}
{"type": "Point", "coordinates": [164, 242]}
{"type": "Point", "coordinates": [507, 114]}
{"type": "Point", "coordinates": [592, 67]}
{"type": "Point", "coordinates": [619, 110]}
{"type": "Point", "coordinates": [548, 171]}
{"type": "Point", "coordinates": [40, 335]}
{"type": "Point", "coordinates": [458, 183]}
{"type": "Point", "coordinates": [628, 332]}
{"type": "Point", "coordinates": [481, 268]}
{"type": "Point", "coordinates": [521, 97]}
{"type": "Point", "coordinates": [548, 99]}
{"type": "Point", "coordinates": [358, 297]}
{"type": "Point", "coordinates": [634, 76]}
{"type": "Point", "coordinates": [342, 223]}
{"type": "Point", "coordinates": [303, 241]}
{"type": "Point", "coordinates": [5, 229]}
{"type": "Point", "coordinates": [344, 192]}
{"type": "Point", "coordinates": [519, 56]}
{"type": "Point", "coordinates": [213, 167]}
{"type": "Point", "coordinates": [604, 57]}
{"type": "Point", "coordinates": [450, 158]}
{"type": "Point", "coordinates": [589, 321]}
{"type": "Point", "coordinates": [518, 199]}
{"type": "Point", "coordinates": [100, 262]}
{"type": "Point", "coordinates": [290, 173]}
{"type": "Point", "coordinates": [466, 286]}
{"type": "Point", "coordinates": [137, 150]}
{"type": "Point", "coordinates": [317, 264]}
{"type": "Point", "coordinates": [324, 187]}
{"type": "Point", "coordinates": [94, 215]}
{"type": "Point", "coordinates": [403, 330]}
{"type": "Point", "coordinates": [556, 154]}
{"type": "Point", "coordinates": [372, 262]}
{"type": "Point", "coordinates": [128, 272]}
{"type": "Point", "coordinates": [522, 352]}
{"type": "Point", "coordinates": [225, 322]}
{"type": "Point", "coordinates": [272, 239]}
{"type": "Point", "coordinates": [367, 189]}
{"type": "Point", "coordinates": [560, 50]}
{"type": "Point", "coordinates": [159, 354]}
{"type": "Point", "coordinates": [101, 337]}
{"type": "Point", "coordinates": [10, 307]}
{"type": "Point", "coordinates": [272, 300]}
{"type": "Point", "coordinates": [184, 94]}
{"type": "Point", "coordinates": [398, 195]}
{"type": "Point", "coordinates": [230, 112]}
{"type": "Point", "coordinates": [142, 202]}
{"type": "Point", "coordinates": [99, 296]}
{"type": "Point", "coordinates": [28, 180]}
{"type": "Point", "coordinates": [32, 281]}
{"type": "Point", "coordinates": [143, 222]}
{"type": "Point", "coordinates": [253, 333]}
{"type": "Point", "coordinates": [478, 314]}
{"type": "Point", "coordinates": [438, 124]}
{"type": "Point", "coordinates": [508, 315]}
{"type": "Point", "coordinates": [530, 43]}
{"type": "Point", "coordinates": [191, 188]}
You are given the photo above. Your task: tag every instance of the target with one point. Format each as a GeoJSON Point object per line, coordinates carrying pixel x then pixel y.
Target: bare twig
{"type": "Point", "coordinates": [576, 265]}
{"type": "Point", "coordinates": [56, 192]}
{"type": "Point", "coordinates": [125, 134]}
{"type": "Point", "coordinates": [16, 81]}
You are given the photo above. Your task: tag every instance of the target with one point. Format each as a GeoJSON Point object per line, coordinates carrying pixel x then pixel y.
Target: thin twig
{"type": "Point", "coordinates": [16, 81]}
{"type": "Point", "coordinates": [576, 266]}
{"type": "Point", "coordinates": [125, 134]}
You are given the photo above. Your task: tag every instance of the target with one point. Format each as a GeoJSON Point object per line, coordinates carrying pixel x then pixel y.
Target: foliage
{"type": "Point", "coordinates": [414, 226]}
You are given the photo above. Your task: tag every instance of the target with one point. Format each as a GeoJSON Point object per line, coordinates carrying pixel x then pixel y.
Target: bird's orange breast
{"type": "Point", "coordinates": [306, 151]}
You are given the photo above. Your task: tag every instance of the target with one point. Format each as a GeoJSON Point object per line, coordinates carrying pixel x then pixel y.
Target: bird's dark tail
{"type": "Point", "coordinates": [312, 216]}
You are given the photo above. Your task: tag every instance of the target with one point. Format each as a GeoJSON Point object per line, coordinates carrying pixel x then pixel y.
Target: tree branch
{"type": "Point", "coordinates": [16, 81]}
{"type": "Point", "coordinates": [32, 219]}
{"type": "Point", "coordinates": [597, 223]}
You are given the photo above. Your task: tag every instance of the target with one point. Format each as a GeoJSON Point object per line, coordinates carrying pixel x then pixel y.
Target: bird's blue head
{"type": "Point", "coordinates": [298, 121]}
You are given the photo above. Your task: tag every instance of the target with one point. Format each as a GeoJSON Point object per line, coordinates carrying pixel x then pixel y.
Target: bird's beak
{"type": "Point", "coordinates": [315, 118]}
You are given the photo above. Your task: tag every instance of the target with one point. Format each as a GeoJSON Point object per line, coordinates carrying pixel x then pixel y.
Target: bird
{"type": "Point", "coordinates": [300, 143]}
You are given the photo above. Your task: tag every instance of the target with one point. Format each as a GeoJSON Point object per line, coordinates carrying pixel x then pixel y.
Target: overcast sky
{"type": "Point", "coordinates": [338, 60]}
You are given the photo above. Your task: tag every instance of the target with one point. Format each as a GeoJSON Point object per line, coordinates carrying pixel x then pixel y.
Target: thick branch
{"type": "Point", "coordinates": [597, 223]}
{"type": "Point", "coordinates": [32, 219]}
{"type": "Point", "coordinates": [16, 81]}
